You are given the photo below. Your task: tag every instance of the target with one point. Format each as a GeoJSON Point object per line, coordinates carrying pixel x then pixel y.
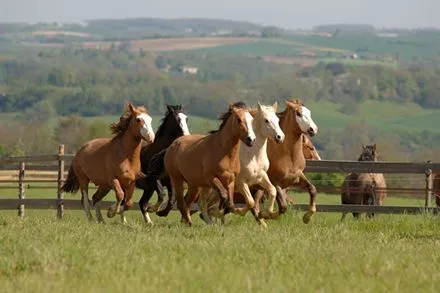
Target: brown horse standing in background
{"type": "Point", "coordinates": [111, 163]}
{"type": "Point", "coordinates": [365, 183]}
{"type": "Point", "coordinates": [209, 161]}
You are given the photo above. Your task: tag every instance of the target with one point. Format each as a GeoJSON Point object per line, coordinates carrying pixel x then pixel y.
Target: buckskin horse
{"type": "Point", "coordinates": [111, 163]}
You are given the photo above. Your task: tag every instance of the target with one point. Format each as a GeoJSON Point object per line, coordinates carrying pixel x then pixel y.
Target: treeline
{"type": "Point", "coordinates": [92, 82]}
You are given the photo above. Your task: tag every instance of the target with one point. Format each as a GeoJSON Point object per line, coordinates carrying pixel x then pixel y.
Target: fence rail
{"type": "Point", "coordinates": [60, 163]}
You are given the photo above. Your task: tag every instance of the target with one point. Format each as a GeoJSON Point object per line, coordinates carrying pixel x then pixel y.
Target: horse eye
{"type": "Point", "coordinates": [267, 121]}
{"type": "Point", "coordinates": [138, 120]}
{"type": "Point", "coordinates": [298, 114]}
{"type": "Point", "coordinates": [239, 120]}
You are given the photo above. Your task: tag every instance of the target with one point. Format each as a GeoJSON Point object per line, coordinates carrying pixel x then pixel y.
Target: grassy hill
{"type": "Point", "coordinates": [385, 116]}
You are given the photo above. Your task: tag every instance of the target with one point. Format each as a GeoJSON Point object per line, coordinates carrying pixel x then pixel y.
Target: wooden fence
{"type": "Point", "coordinates": [61, 162]}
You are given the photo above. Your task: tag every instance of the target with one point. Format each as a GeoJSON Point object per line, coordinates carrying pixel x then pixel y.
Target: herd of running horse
{"type": "Point", "coordinates": [257, 153]}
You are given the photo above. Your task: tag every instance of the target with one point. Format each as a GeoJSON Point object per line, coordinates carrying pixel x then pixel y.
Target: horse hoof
{"type": "Point", "coordinates": [262, 224]}
{"type": "Point", "coordinates": [307, 216]}
{"type": "Point", "coordinates": [162, 213]}
{"type": "Point", "coordinates": [111, 213]}
{"type": "Point", "coordinates": [153, 209]}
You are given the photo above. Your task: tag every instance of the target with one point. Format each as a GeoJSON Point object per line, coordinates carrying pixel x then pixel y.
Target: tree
{"type": "Point", "coordinates": [71, 131]}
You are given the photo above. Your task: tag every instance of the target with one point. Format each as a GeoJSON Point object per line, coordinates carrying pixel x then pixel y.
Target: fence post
{"type": "Point", "coordinates": [60, 181]}
{"type": "Point", "coordinates": [428, 181]}
{"type": "Point", "coordinates": [21, 190]}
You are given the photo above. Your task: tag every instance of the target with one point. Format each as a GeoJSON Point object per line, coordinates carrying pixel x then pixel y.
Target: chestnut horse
{"type": "Point", "coordinates": [253, 164]}
{"type": "Point", "coordinates": [111, 163]}
{"type": "Point", "coordinates": [287, 161]}
{"type": "Point", "coordinates": [366, 184]}
{"type": "Point", "coordinates": [209, 161]}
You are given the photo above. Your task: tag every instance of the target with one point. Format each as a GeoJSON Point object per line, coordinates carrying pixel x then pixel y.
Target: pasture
{"type": "Point", "coordinates": [387, 254]}
{"type": "Point", "coordinates": [167, 44]}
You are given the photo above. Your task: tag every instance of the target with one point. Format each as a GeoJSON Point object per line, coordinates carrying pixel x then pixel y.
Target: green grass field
{"type": "Point", "coordinates": [387, 254]}
{"type": "Point", "coordinates": [391, 253]}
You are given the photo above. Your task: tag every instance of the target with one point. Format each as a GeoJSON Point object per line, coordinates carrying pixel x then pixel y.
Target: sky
{"type": "Point", "coordinates": [284, 13]}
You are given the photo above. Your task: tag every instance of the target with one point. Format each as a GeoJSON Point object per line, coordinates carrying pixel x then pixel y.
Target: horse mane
{"type": "Point", "coordinates": [170, 108]}
{"type": "Point", "coordinates": [120, 127]}
{"type": "Point", "coordinates": [225, 116]}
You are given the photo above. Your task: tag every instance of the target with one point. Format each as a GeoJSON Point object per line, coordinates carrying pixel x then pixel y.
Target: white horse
{"type": "Point", "coordinates": [254, 164]}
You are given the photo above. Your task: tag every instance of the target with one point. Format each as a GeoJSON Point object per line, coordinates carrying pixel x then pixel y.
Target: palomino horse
{"type": "Point", "coordinates": [173, 126]}
{"type": "Point", "coordinates": [112, 163]}
{"type": "Point", "coordinates": [364, 185]}
{"type": "Point", "coordinates": [287, 160]}
{"type": "Point", "coordinates": [209, 161]}
{"type": "Point", "coordinates": [253, 164]}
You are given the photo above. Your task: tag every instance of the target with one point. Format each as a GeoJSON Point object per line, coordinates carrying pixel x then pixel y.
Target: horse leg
{"type": "Point", "coordinates": [224, 193]}
{"type": "Point", "coordinates": [256, 209]}
{"type": "Point", "coordinates": [282, 199]}
{"type": "Point", "coordinates": [159, 190]}
{"type": "Point", "coordinates": [129, 191]}
{"type": "Point", "coordinates": [243, 188]}
{"type": "Point", "coordinates": [343, 216]}
{"type": "Point", "coordinates": [178, 194]}
{"type": "Point", "coordinates": [171, 199]}
{"type": "Point", "coordinates": [86, 201]}
{"type": "Point", "coordinates": [115, 208]}
{"type": "Point", "coordinates": [96, 201]}
{"type": "Point", "coordinates": [268, 186]}
{"type": "Point", "coordinates": [206, 198]}
{"type": "Point", "coordinates": [305, 183]}
{"type": "Point", "coordinates": [143, 203]}
{"type": "Point", "coordinates": [190, 198]}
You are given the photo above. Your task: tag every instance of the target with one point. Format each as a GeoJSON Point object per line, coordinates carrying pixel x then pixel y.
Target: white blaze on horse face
{"type": "Point", "coordinates": [274, 124]}
{"type": "Point", "coordinates": [306, 123]}
{"type": "Point", "coordinates": [146, 129]}
{"type": "Point", "coordinates": [249, 119]}
{"type": "Point", "coordinates": [182, 123]}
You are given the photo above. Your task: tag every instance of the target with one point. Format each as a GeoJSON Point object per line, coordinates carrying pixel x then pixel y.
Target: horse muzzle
{"type": "Point", "coordinates": [249, 141]}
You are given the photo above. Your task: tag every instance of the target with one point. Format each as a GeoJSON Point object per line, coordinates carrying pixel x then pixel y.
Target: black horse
{"type": "Point", "coordinates": [173, 126]}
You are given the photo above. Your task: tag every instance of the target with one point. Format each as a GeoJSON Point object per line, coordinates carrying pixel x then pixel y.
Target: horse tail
{"type": "Point", "coordinates": [71, 184]}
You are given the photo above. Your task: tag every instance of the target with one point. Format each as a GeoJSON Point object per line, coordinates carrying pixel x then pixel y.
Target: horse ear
{"type": "Point", "coordinates": [169, 108]}
{"type": "Point", "coordinates": [259, 106]}
{"type": "Point", "coordinates": [275, 106]}
{"type": "Point", "coordinates": [374, 147]}
{"type": "Point", "coordinates": [363, 147]}
{"type": "Point", "coordinates": [131, 107]}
